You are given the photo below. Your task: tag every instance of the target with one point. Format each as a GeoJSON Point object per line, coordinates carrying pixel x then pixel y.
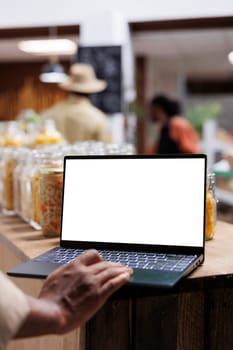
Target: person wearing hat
{"type": "Point", "coordinates": [76, 117]}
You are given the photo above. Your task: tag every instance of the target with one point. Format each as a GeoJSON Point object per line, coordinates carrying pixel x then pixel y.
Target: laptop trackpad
{"type": "Point", "coordinates": [162, 279]}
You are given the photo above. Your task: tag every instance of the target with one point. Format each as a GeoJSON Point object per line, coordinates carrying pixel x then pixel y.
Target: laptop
{"type": "Point", "coordinates": [147, 212]}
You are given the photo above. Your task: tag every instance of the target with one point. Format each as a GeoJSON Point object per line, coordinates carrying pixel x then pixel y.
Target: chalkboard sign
{"type": "Point", "coordinates": [106, 61]}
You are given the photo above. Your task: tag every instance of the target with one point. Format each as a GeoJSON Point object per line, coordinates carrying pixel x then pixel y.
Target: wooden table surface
{"type": "Point", "coordinates": [26, 243]}
{"type": "Point", "coordinates": [198, 317]}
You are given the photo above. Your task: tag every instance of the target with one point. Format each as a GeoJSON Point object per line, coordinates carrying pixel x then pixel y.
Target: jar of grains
{"type": "Point", "coordinates": [50, 194]}
{"type": "Point", "coordinates": [34, 186]}
{"type": "Point", "coordinates": [8, 166]}
{"type": "Point", "coordinates": [43, 159]}
{"type": "Point", "coordinates": [47, 194]}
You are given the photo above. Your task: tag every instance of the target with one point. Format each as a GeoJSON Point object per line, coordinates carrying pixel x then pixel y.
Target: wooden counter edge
{"type": "Point", "coordinates": [22, 240]}
{"type": "Point", "coordinates": [29, 243]}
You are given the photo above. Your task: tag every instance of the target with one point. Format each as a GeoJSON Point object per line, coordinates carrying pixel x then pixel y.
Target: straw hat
{"type": "Point", "coordinates": [82, 79]}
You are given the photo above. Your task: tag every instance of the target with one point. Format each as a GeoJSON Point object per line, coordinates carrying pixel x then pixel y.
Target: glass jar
{"type": "Point", "coordinates": [34, 185]}
{"type": "Point", "coordinates": [50, 194]}
{"type": "Point", "coordinates": [42, 160]}
{"type": "Point", "coordinates": [22, 155]}
{"type": "Point", "coordinates": [211, 207]}
{"type": "Point", "coordinates": [47, 134]}
{"type": "Point", "coordinates": [14, 136]}
{"type": "Point", "coordinates": [26, 195]}
{"type": "Point", "coordinates": [127, 148]}
{"type": "Point", "coordinates": [8, 166]}
{"type": "Point", "coordinates": [32, 131]}
{"type": "Point", "coordinates": [2, 133]}
{"type": "Point", "coordinates": [120, 149]}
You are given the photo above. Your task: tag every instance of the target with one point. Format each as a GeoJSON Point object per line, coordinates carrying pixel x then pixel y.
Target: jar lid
{"type": "Point", "coordinates": [48, 171]}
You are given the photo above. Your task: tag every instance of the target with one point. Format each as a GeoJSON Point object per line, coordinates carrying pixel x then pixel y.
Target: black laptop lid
{"type": "Point", "coordinates": [134, 202]}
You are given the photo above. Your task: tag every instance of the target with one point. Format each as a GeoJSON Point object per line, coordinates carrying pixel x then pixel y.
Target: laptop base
{"type": "Point", "coordinates": [143, 278]}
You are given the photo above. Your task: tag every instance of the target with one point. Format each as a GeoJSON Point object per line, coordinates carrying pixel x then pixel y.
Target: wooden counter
{"type": "Point", "coordinates": [196, 315]}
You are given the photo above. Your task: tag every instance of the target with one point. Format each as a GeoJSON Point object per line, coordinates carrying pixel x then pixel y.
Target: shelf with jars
{"type": "Point", "coordinates": [31, 180]}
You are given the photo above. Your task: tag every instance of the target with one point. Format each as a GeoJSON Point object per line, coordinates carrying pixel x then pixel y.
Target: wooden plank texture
{"type": "Point", "coordinates": [190, 321]}
{"type": "Point", "coordinates": [219, 319]}
{"type": "Point", "coordinates": [110, 328]}
{"type": "Point", "coordinates": [155, 323]}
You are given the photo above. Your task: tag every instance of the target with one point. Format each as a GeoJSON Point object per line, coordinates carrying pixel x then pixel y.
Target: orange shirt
{"type": "Point", "coordinates": [183, 134]}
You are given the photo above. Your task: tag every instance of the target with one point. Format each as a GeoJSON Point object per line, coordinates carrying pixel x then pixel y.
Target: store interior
{"type": "Point", "coordinates": [123, 110]}
{"type": "Point", "coordinates": [186, 57]}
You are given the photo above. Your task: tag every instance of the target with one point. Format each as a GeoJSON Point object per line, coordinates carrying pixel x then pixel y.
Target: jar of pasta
{"type": "Point", "coordinates": [25, 193]}
{"type": "Point", "coordinates": [42, 160]}
{"type": "Point", "coordinates": [34, 185]}
{"type": "Point", "coordinates": [50, 192]}
{"type": "Point", "coordinates": [8, 166]}
{"type": "Point", "coordinates": [22, 156]}
{"type": "Point", "coordinates": [211, 207]}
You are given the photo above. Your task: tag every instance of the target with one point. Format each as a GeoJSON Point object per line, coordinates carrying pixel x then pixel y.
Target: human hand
{"type": "Point", "coordinates": [78, 289]}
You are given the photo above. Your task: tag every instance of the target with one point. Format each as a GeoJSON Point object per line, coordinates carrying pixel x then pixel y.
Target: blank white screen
{"type": "Point", "coordinates": [145, 201]}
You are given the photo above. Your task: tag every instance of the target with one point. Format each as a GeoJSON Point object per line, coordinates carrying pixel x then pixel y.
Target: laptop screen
{"type": "Point", "coordinates": [135, 200]}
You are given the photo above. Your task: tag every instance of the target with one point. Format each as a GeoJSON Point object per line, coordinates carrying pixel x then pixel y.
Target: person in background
{"type": "Point", "coordinates": [176, 134]}
{"type": "Point", "coordinates": [76, 117]}
{"type": "Point", "coordinates": [70, 296]}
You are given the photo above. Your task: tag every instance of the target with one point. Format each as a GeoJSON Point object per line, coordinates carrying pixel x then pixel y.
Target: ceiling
{"type": "Point", "coordinates": [193, 52]}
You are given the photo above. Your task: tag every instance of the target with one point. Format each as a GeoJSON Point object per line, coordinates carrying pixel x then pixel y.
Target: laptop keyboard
{"type": "Point", "coordinates": [140, 260]}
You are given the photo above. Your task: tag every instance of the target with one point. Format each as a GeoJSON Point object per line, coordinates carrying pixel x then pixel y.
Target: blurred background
{"type": "Point", "coordinates": [181, 49]}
